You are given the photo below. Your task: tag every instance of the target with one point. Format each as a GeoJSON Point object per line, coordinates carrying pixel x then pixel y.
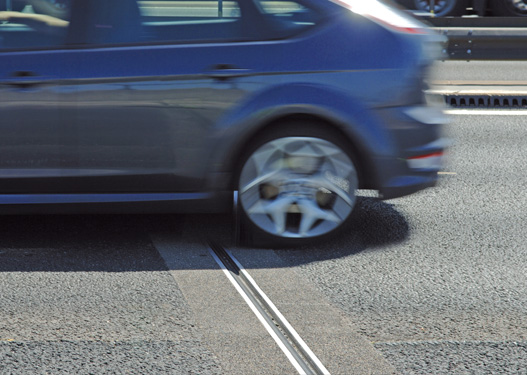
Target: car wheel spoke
{"type": "Point", "coordinates": [269, 177]}
{"type": "Point", "coordinates": [311, 214]}
{"type": "Point", "coordinates": [298, 187]}
{"type": "Point", "coordinates": [325, 183]}
{"type": "Point", "coordinates": [276, 210]}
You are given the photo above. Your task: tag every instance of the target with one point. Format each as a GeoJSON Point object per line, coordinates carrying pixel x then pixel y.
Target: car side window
{"type": "Point", "coordinates": [27, 24]}
{"type": "Point", "coordinates": [37, 24]}
{"type": "Point", "coordinates": [191, 21]}
{"type": "Point", "coordinates": [177, 21]}
{"type": "Point", "coordinates": [288, 17]}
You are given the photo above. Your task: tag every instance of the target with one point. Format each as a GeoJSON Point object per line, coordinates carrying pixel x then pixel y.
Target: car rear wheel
{"type": "Point", "coordinates": [510, 8]}
{"type": "Point", "coordinates": [294, 186]}
{"type": "Point", "coordinates": [442, 8]}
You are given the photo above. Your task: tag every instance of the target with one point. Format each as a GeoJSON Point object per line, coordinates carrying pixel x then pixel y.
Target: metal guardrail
{"type": "Point", "coordinates": [479, 22]}
{"type": "Point", "coordinates": [482, 38]}
{"type": "Point", "coordinates": [485, 43]}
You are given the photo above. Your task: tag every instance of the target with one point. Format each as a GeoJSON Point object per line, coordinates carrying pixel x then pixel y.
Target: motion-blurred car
{"type": "Point", "coordinates": [171, 106]}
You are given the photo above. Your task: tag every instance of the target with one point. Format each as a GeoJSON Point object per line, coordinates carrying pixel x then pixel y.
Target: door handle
{"type": "Point", "coordinates": [22, 79]}
{"type": "Point", "coordinates": [226, 71]}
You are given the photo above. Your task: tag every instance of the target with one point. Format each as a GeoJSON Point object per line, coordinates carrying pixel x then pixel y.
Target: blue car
{"type": "Point", "coordinates": [178, 106]}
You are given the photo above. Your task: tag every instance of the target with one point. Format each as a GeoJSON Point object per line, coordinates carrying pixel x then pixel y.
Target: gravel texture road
{"type": "Point", "coordinates": [91, 295]}
{"type": "Point", "coordinates": [510, 72]}
{"type": "Point", "coordinates": [433, 283]}
{"type": "Point", "coordinates": [437, 280]}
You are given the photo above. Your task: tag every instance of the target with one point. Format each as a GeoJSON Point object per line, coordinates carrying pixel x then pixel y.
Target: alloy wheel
{"type": "Point", "coordinates": [298, 187]}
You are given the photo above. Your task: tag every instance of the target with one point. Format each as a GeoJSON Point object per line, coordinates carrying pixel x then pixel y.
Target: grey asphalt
{"type": "Point", "coordinates": [433, 283]}
{"type": "Point", "coordinates": [478, 78]}
{"type": "Point", "coordinates": [231, 329]}
{"type": "Point", "coordinates": [498, 72]}
{"type": "Point", "coordinates": [91, 295]}
{"type": "Point", "coordinates": [437, 280]}
{"type": "Point", "coordinates": [142, 294]}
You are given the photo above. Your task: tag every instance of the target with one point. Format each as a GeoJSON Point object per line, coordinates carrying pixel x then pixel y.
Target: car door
{"type": "Point", "coordinates": [34, 129]}
{"type": "Point", "coordinates": [128, 101]}
{"type": "Point", "coordinates": [123, 102]}
{"type": "Point", "coordinates": [147, 95]}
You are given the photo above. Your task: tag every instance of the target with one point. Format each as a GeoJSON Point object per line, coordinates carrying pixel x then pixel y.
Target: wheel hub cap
{"type": "Point", "coordinates": [298, 187]}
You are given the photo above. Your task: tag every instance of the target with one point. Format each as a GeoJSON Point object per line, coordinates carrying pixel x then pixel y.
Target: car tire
{"type": "Point", "coordinates": [443, 8]}
{"type": "Point", "coordinates": [509, 8]}
{"type": "Point", "coordinates": [296, 184]}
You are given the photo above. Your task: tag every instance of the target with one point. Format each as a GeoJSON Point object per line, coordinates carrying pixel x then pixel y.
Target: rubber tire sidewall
{"type": "Point", "coordinates": [504, 8]}
{"type": "Point", "coordinates": [454, 8]}
{"type": "Point", "coordinates": [252, 235]}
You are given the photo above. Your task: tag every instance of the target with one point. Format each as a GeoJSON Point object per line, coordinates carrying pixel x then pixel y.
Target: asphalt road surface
{"type": "Point", "coordinates": [433, 283]}
{"type": "Point", "coordinates": [437, 280]}
{"type": "Point", "coordinates": [508, 72]}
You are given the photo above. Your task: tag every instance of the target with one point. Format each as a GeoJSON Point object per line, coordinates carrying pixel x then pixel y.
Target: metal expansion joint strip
{"type": "Point", "coordinates": [296, 350]}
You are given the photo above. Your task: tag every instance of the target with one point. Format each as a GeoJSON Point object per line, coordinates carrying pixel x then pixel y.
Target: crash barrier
{"type": "Point", "coordinates": [485, 38]}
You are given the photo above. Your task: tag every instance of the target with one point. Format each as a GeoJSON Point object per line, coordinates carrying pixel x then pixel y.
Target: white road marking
{"type": "Point", "coordinates": [282, 318]}
{"type": "Point", "coordinates": [262, 320]}
{"type": "Point", "coordinates": [275, 311]}
{"type": "Point", "coordinates": [487, 112]}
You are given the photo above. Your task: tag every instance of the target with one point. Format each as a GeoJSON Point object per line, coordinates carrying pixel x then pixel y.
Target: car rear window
{"type": "Point", "coordinates": [183, 20]}
{"type": "Point", "coordinates": [282, 8]}
{"type": "Point", "coordinates": [160, 11]}
{"type": "Point", "coordinates": [23, 27]}
{"type": "Point", "coordinates": [110, 22]}
{"type": "Point", "coordinates": [286, 18]}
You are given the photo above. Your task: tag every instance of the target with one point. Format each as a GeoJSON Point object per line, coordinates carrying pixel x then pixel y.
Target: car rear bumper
{"type": "Point", "coordinates": [419, 170]}
{"type": "Point", "coordinates": [418, 150]}
{"type": "Point", "coordinates": [405, 185]}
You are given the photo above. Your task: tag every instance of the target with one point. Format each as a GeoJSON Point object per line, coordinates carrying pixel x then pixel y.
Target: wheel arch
{"type": "Point", "coordinates": [363, 164]}
{"type": "Point", "coordinates": [349, 117]}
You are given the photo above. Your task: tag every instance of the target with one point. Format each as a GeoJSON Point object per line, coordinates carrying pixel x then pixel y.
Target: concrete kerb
{"type": "Point", "coordinates": [479, 96]}
{"type": "Point", "coordinates": [477, 89]}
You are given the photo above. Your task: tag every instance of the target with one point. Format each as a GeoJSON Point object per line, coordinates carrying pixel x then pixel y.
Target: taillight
{"type": "Point", "coordinates": [432, 161]}
{"type": "Point", "coordinates": [385, 15]}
